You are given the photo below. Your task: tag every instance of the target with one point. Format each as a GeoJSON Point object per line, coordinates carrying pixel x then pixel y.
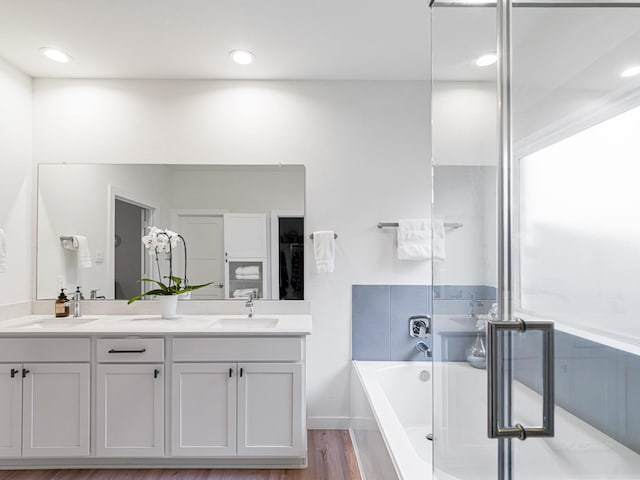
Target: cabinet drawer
{"type": "Point", "coordinates": [130, 350]}
{"type": "Point", "coordinates": [45, 350]}
{"type": "Point", "coordinates": [237, 349]}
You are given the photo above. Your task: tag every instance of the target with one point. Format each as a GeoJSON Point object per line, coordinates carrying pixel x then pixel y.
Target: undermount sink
{"type": "Point", "coordinates": [54, 322]}
{"type": "Point", "coordinates": [245, 323]}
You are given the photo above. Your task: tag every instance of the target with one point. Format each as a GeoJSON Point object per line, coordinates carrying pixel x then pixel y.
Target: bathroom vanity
{"type": "Point", "coordinates": [139, 391]}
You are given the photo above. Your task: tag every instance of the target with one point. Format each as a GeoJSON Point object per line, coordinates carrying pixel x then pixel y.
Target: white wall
{"type": "Point", "coordinates": [467, 195]}
{"type": "Point", "coordinates": [365, 146]}
{"type": "Point", "coordinates": [16, 185]}
{"type": "Point", "coordinates": [464, 118]}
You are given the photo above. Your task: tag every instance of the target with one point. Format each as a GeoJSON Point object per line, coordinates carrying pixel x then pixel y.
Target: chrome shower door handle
{"type": "Point", "coordinates": [496, 430]}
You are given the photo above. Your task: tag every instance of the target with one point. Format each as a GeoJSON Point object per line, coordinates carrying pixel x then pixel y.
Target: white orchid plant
{"type": "Point", "coordinates": [159, 241]}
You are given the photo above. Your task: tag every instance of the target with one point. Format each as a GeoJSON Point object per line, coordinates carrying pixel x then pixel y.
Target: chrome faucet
{"type": "Point", "coordinates": [95, 296]}
{"type": "Point", "coordinates": [77, 296]}
{"type": "Point", "coordinates": [252, 296]}
{"type": "Point", "coordinates": [423, 348]}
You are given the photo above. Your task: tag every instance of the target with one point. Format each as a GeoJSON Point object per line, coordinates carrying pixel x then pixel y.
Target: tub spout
{"type": "Point", "coordinates": [423, 348]}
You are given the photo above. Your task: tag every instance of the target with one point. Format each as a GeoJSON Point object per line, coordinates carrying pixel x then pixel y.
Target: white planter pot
{"type": "Point", "coordinates": [169, 305]}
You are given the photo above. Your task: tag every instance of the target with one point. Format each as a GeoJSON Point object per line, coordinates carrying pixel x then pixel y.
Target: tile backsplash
{"type": "Point", "coordinates": [380, 320]}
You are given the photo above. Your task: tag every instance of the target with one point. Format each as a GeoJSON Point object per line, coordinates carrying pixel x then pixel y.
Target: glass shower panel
{"type": "Point", "coordinates": [576, 152]}
{"type": "Point", "coordinates": [464, 148]}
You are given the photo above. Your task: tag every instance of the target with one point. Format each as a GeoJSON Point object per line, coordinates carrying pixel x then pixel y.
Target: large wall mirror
{"type": "Point", "coordinates": [243, 227]}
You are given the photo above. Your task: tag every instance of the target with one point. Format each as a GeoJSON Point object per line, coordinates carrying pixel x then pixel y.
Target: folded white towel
{"type": "Point", "coordinates": [248, 270]}
{"type": "Point", "coordinates": [3, 251]}
{"type": "Point", "coordinates": [247, 277]}
{"type": "Point", "coordinates": [242, 292]}
{"type": "Point", "coordinates": [84, 254]}
{"type": "Point", "coordinates": [324, 249]}
{"type": "Point", "coordinates": [414, 239]}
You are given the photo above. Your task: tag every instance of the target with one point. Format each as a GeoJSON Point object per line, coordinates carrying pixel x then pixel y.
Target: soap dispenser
{"type": "Point", "coordinates": [62, 305]}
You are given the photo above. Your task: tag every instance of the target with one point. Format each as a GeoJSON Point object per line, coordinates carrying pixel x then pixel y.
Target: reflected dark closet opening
{"type": "Point", "coordinates": [291, 237]}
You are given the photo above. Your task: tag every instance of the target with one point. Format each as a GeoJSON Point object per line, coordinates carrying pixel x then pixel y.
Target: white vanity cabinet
{"type": "Point", "coordinates": [253, 407]}
{"type": "Point", "coordinates": [203, 409]}
{"type": "Point", "coordinates": [44, 404]}
{"type": "Point", "coordinates": [159, 392]}
{"type": "Point", "coordinates": [270, 410]}
{"type": "Point", "coordinates": [130, 397]}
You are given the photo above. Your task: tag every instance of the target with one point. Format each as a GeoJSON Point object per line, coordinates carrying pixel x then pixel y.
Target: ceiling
{"type": "Point", "coordinates": [554, 48]}
{"type": "Point", "coordinates": [176, 39]}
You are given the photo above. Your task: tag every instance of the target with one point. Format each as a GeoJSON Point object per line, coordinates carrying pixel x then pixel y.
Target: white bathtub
{"type": "Point", "coordinates": [391, 414]}
{"type": "Point", "coordinates": [391, 410]}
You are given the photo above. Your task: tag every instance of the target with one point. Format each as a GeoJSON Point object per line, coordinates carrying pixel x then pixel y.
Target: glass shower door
{"type": "Point", "coordinates": [565, 248]}
{"type": "Point", "coordinates": [575, 257]}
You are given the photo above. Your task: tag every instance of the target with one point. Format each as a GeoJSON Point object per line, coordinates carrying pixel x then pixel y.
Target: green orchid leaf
{"type": "Point", "coordinates": [150, 292]}
{"type": "Point", "coordinates": [160, 284]}
{"type": "Point", "coordinates": [176, 280]}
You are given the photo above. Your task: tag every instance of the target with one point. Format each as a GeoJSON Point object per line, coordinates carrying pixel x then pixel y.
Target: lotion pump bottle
{"type": "Point", "coordinates": [62, 305]}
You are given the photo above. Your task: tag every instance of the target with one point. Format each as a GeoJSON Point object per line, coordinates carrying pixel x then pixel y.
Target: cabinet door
{"type": "Point", "coordinates": [245, 235]}
{"type": "Point", "coordinates": [203, 409]}
{"type": "Point", "coordinates": [55, 410]}
{"type": "Point", "coordinates": [10, 410]}
{"type": "Point", "coordinates": [270, 410]}
{"type": "Point", "coordinates": [130, 416]}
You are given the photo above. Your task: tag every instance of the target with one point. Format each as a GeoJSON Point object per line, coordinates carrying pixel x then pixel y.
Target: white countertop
{"type": "Point", "coordinates": [210, 325]}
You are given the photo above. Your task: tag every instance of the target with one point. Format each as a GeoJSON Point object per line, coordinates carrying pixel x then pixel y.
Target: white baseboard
{"type": "Point", "coordinates": [14, 310]}
{"type": "Point", "coordinates": [328, 423]}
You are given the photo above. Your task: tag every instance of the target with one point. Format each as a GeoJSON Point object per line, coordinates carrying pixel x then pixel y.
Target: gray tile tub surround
{"type": "Point", "coordinates": [596, 383]}
{"type": "Point", "coordinates": [380, 321]}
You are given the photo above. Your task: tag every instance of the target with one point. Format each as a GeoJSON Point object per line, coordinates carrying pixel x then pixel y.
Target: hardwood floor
{"type": "Point", "coordinates": [331, 457]}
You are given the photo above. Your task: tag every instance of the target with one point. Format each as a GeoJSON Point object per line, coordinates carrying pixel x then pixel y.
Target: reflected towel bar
{"type": "Point", "coordinates": [396, 224]}
{"type": "Point", "coordinates": [62, 239]}
{"type": "Point", "coordinates": [335, 235]}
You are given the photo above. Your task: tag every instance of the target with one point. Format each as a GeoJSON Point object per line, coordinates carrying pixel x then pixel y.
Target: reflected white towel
{"type": "Point", "coordinates": [242, 292]}
{"type": "Point", "coordinates": [324, 249]}
{"type": "Point", "coordinates": [248, 277]}
{"type": "Point", "coordinates": [3, 251]}
{"type": "Point", "coordinates": [248, 270]}
{"type": "Point", "coordinates": [84, 254]}
{"type": "Point", "coordinates": [414, 239]}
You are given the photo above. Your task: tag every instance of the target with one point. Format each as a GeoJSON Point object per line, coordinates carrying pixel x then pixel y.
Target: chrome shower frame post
{"type": "Point", "coordinates": [505, 189]}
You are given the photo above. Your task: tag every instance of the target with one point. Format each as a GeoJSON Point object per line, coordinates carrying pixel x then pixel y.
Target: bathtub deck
{"type": "Point", "coordinates": [331, 457]}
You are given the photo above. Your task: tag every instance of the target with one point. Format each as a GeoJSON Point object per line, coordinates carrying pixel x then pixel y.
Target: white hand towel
{"type": "Point", "coordinates": [324, 249]}
{"type": "Point", "coordinates": [438, 240]}
{"type": "Point", "coordinates": [84, 255]}
{"type": "Point", "coordinates": [3, 251]}
{"type": "Point", "coordinates": [414, 239]}
{"type": "Point", "coordinates": [248, 270]}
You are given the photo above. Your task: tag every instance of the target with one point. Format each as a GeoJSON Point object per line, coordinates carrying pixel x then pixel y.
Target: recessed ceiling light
{"type": "Point", "coordinates": [631, 72]}
{"type": "Point", "coordinates": [486, 60]}
{"type": "Point", "coordinates": [55, 54]}
{"type": "Point", "coordinates": [243, 57]}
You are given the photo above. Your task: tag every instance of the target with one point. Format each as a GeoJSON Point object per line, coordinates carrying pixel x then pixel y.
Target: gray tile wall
{"type": "Point", "coordinates": [599, 384]}
{"type": "Point", "coordinates": [380, 320]}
